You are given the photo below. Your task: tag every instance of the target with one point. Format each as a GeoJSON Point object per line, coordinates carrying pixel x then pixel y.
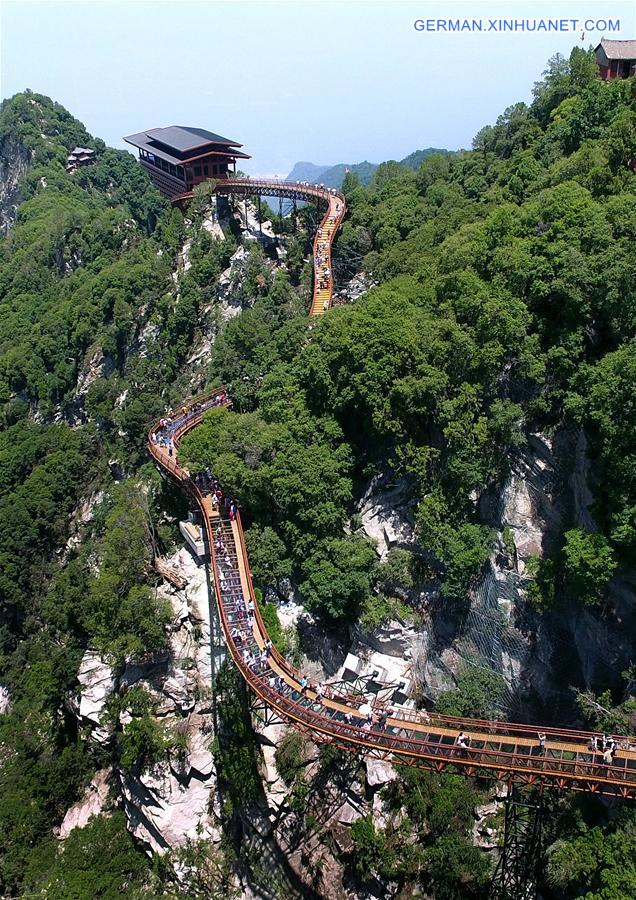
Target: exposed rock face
{"type": "Point", "coordinates": [5, 699]}
{"type": "Point", "coordinates": [81, 517]}
{"type": "Point", "coordinates": [485, 834]}
{"type": "Point", "coordinates": [357, 287]}
{"type": "Point", "coordinates": [92, 803]}
{"type": "Point", "coordinates": [324, 649]}
{"type": "Point", "coordinates": [379, 773]}
{"type": "Point", "coordinates": [393, 639]}
{"type": "Point", "coordinates": [350, 813]}
{"type": "Point", "coordinates": [175, 801]}
{"type": "Point", "coordinates": [96, 366]}
{"type": "Point", "coordinates": [548, 491]}
{"type": "Point", "coordinates": [165, 810]}
{"type": "Point", "coordinates": [97, 683]}
{"type": "Point", "coordinates": [14, 161]}
{"type": "Point", "coordinates": [210, 223]}
{"type": "Point", "coordinates": [229, 282]}
{"type": "Point", "coordinates": [530, 506]}
{"type": "Point", "coordinates": [386, 511]}
{"type": "Point", "coordinates": [580, 484]}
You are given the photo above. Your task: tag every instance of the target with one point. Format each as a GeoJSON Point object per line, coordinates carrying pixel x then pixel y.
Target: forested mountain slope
{"type": "Point", "coordinates": [504, 307]}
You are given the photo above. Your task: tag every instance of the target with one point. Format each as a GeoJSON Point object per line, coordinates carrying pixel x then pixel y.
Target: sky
{"type": "Point", "coordinates": [313, 80]}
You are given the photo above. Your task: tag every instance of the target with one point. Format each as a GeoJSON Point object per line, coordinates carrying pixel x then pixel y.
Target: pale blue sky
{"type": "Point", "coordinates": [298, 80]}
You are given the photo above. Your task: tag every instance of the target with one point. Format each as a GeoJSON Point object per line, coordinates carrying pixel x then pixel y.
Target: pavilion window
{"type": "Point", "coordinates": [197, 170]}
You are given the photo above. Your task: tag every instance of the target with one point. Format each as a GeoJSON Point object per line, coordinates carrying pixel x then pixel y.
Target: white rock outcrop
{"type": "Point", "coordinates": [379, 772]}
{"type": "Point", "coordinates": [97, 683]}
{"type": "Point", "coordinates": [528, 507]}
{"type": "Point", "coordinates": [176, 800]}
{"type": "Point", "coordinates": [92, 804]}
{"type": "Point", "coordinates": [386, 513]}
{"type": "Point", "coordinates": [165, 811]}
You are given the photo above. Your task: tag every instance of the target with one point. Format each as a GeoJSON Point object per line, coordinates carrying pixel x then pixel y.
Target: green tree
{"type": "Point", "coordinates": [589, 564]}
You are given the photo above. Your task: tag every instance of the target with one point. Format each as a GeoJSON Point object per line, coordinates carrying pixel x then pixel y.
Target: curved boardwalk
{"type": "Point", "coordinates": [296, 190]}
{"type": "Point", "coordinates": [501, 750]}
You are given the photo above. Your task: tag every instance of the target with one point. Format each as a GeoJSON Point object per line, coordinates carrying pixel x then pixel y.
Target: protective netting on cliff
{"type": "Point", "coordinates": [489, 638]}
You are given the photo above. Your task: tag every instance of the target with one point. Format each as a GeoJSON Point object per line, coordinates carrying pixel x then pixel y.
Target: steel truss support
{"type": "Point", "coordinates": [263, 711]}
{"type": "Point", "coordinates": [517, 873]}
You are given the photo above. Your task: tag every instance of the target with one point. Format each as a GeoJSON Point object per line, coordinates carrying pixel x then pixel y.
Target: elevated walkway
{"type": "Point", "coordinates": [500, 750]}
{"type": "Point", "coordinates": [295, 190]}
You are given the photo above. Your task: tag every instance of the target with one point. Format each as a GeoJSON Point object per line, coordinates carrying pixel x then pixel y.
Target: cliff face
{"type": "Point", "coordinates": [550, 490]}
{"type": "Point", "coordinates": [174, 800]}
{"type": "Point", "coordinates": [14, 162]}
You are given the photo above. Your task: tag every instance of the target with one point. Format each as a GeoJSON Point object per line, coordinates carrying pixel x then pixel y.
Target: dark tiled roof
{"type": "Point", "coordinates": [619, 49]}
{"type": "Point", "coordinates": [181, 138]}
{"type": "Point", "coordinates": [144, 142]}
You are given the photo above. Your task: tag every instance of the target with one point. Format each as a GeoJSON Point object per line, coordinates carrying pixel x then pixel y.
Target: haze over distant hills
{"type": "Point", "coordinates": [332, 176]}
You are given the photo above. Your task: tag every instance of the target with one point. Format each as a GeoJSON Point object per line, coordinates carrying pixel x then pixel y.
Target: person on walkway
{"type": "Point", "coordinates": [462, 742]}
{"type": "Point", "coordinates": [304, 683]}
{"type": "Point", "coordinates": [542, 739]}
{"type": "Point", "coordinates": [608, 757]}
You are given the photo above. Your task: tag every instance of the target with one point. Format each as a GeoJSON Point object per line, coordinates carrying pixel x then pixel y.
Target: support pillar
{"type": "Point", "coordinates": [517, 874]}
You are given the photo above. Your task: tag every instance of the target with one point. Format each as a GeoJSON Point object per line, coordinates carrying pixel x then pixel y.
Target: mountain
{"type": "Point", "coordinates": [333, 176]}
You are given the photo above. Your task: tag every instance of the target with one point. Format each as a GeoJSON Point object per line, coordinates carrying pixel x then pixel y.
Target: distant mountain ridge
{"type": "Point", "coordinates": [333, 176]}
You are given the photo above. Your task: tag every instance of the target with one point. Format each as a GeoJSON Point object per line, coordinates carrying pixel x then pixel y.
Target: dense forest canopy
{"type": "Point", "coordinates": [503, 304]}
